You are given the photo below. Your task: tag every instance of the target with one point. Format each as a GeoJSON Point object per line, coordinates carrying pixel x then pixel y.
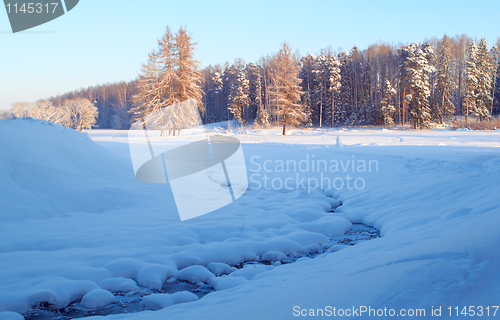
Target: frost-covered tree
{"type": "Point", "coordinates": [496, 92]}
{"type": "Point", "coordinates": [148, 99]}
{"type": "Point", "coordinates": [45, 110]}
{"type": "Point", "coordinates": [254, 90]}
{"type": "Point", "coordinates": [443, 105]}
{"type": "Point", "coordinates": [286, 90]}
{"type": "Point", "coordinates": [344, 98]}
{"type": "Point", "coordinates": [386, 107]}
{"type": "Point", "coordinates": [262, 117]}
{"type": "Point", "coordinates": [417, 69]}
{"type": "Point", "coordinates": [82, 113]}
{"type": "Point", "coordinates": [217, 88]}
{"type": "Point", "coordinates": [327, 76]}
{"type": "Point", "coordinates": [170, 76]}
{"type": "Point", "coordinates": [471, 80]}
{"type": "Point", "coordinates": [307, 76]}
{"type": "Point", "coordinates": [485, 70]}
{"type": "Point", "coordinates": [239, 97]}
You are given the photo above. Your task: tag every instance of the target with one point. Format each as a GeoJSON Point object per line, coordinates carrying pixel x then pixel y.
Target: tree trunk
{"type": "Point", "coordinates": [320, 104]}
{"type": "Point", "coordinates": [284, 127]}
{"type": "Point", "coordinates": [333, 108]}
{"type": "Point", "coordinates": [442, 109]}
{"type": "Point", "coordinates": [466, 111]}
{"type": "Point", "coordinates": [404, 109]}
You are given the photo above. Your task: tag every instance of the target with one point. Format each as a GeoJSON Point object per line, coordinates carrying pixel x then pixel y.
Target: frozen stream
{"type": "Point", "coordinates": [131, 302]}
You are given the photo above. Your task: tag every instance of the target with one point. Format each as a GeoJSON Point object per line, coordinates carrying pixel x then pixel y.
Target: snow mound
{"type": "Point", "coordinates": [274, 256]}
{"type": "Point", "coordinates": [8, 315]}
{"type": "Point", "coordinates": [47, 170]}
{"type": "Point", "coordinates": [219, 268]}
{"type": "Point", "coordinates": [97, 298]}
{"type": "Point", "coordinates": [119, 285]}
{"type": "Point", "coordinates": [162, 300]}
{"type": "Point", "coordinates": [195, 274]}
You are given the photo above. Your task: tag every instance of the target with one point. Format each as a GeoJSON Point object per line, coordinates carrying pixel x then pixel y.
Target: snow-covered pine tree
{"type": "Point", "coordinates": [496, 93]}
{"type": "Point", "coordinates": [307, 76]}
{"type": "Point", "coordinates": [327, 77]}
{"type": "Point", "coordinates": [229, 78]}
{"type": "Point", "coordinates": [217, 81]}
{"type": "Point", "coordinates": [386, 106]}
{"type": "Point", "coordinates": [495, 61]}
{"type": "Point", "coordinates": [484, 83]}
{"type": "Point", "coordinates": [417, 69]}
{"type": "Point", "coordinates": [406, 58]}
{"type": "Point", "coordinates": [342, 111]}
{"type": "Point", "coordinates": [262, 117]}
{"type": "Point", "coordinates": [286, 90]}
{"type": "Point", "coordinates": [333, 68]}
{"type": "Point", "coordinates": [442, 103]}
{"type": "Point", "coordinates": [470, 81]}
{"type": "Point", "coordinates": [239, 97]}
{"type": "Point", "coordinates": [320, 77]}
{"type": "Point", "coordinates": [255, 90]}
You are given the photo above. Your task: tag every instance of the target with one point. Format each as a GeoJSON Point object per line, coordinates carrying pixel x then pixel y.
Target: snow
{"type": "Point", "coordinates": [119, 284]}
{"type": "Point", "coordinates": [161, 300]}
{"type": "Point", "coordinates": [219, 268]}
{"type": "Point", "coordinates": [97, 298]}
{"type": "Point", "coordinates": [76, 225]}
{"type": "Point", "coordinates": [9, 315]}
{"type": "Point", "coordinates": [273, 256]}
{"type": "Point", "coordinates": [195, 274]}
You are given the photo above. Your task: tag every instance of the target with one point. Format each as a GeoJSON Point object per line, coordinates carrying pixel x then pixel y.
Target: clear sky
{"type": "Point", "coordinates": [102, 41]}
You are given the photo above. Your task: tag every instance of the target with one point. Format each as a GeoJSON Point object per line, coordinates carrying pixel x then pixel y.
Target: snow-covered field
{"type": "Point", "coordinates": [77, 227]}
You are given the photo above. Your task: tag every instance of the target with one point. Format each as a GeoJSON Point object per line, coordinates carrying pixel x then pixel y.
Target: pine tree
{"type": "Point", "coordinates": [320, 76]}
{"type": "Point", "coordinates": [217, 80]}
{"type": "Point", "coordinates": [484, 83]}
{"type": "Point", "coordinates": [239, 97]}
{"type": "Point", "coordinates": [286, 88]}
{"type": "Point", "coordinates": [255, 90]}
{"type": "Point", "coordinates": [417, 69]}
{"type": "Point", "coordinates": [496, 93]}
{"type": "Point", "coordinates": [342, 112]}
{"type": "Point", "coordinates": [471, 81]}
{"type": "Point", "coordinates": [386, 107]}
{"type": "Point", "coordinates": [443, 105]}
{"type": "Point", "coordinates": [262, 117]}
{"type": "Point", "coordinates": [307, 76]}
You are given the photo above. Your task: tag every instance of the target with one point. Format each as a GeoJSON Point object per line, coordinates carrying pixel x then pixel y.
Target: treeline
{"type": "Point", "coordinates": [113, 101]}
{"type": "Point", "coordinates": [383, 84]}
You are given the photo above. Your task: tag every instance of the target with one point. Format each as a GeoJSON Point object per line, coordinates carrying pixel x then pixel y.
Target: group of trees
{"type": "Point", "coordinates": [169, 80]}
{"type": "Point", "coordinates": [382, 85]}
{"type": "Point", "coordinates": [76, 113]}
{"type": "Point", "coordinates": [414, 84]}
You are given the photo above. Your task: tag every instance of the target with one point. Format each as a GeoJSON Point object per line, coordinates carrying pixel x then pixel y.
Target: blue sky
{"type": "Point", "coordinates": [103, 41]}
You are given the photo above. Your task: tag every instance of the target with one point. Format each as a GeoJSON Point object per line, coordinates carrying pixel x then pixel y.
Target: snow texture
{"type": "Point", "coordinates": [76, 225]}
{"type": "Point", "coordinates": [97, 298]}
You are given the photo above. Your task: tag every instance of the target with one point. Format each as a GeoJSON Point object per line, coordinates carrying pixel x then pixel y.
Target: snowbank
{"type": "Point", "coordinates": [77, 226]}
